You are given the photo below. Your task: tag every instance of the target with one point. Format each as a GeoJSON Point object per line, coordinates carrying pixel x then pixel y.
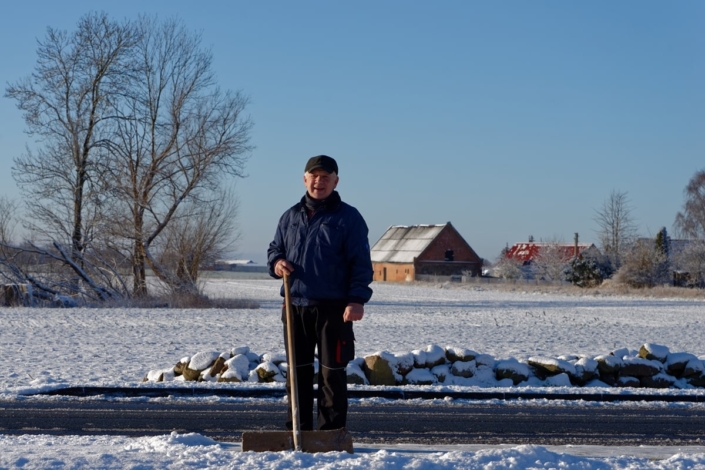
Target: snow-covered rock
{"type": "Point", "coordinates": [676, 362]}
{"type": "Point", "coordinates": [420, 376]}
{"type": "Point", "coordinates": [654, 351]}
{"type": "Point", "coordinates": [621, 352]}
{"type": "Point", "coordinates": [464, 368]}
{"type": "Point", "coordinates": [203, 360]}
{"type": "Point", "coordinates": [253, 357]}
{"type": "Point", "coordinates": [160, 375]}
{"type": "Point", "coordinates": [419, 357]}
{"type": "Point", "coordinates": [239, 350]}
{"type": "Point", "coordinates": [697, 380]}
{"type": "Point", "coordinates": [454, 354]}
{"type": "Point", "coordinates": [267, 371]}
{"type": "Point", "coordinates": [276, 358]}
{"type": "Point", "coordinates": [211, 374]}
{"type": "Point", "coordinates": [435, 355]}
{"type": "Point", "coordinates": [382, 369]}
{"type": "Point", "coordinates": [560, 380]}
{"type": "Point", "coordinates": [512, 369]}
{"type": "Point", "coordinates": [441, 372]}
{"type": "Point", "coordinates": [610, 364]}
{"type": "Point", "coordinates": [596, 383]}
{"type": "Point", "coordinates": [199, 362]}
{"type": "Point", "coordinates": [403, 362]}
{"type": "Point", "coordinates": [660, 380]}
{"type": "Point", "coordinates": [694, 367]}
{"type": "Point", "coordinates": [486, 360]}
{"type": "Point", "coordinates": [181, 365]}
{"type": "Point", "coordinates": [626, 381]}
{"type": "Point", "coordinates": [585, 369]}
{"type": "Point", "coordinates": [640, 367]}
{"type": "Point", "coordinates": [355, 374]}
{"type": "Point", "coordinates": [238, 368]}
{"type": "Point", "coordinates": [230, 375]}
{"type": "Point", "coordinates": [550, 366]}
{"type": "Point", "coordinates": [621, 368]}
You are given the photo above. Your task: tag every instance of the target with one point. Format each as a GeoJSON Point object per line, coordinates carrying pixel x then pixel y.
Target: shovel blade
{"type": "Point", "coordinates": [334, 440]}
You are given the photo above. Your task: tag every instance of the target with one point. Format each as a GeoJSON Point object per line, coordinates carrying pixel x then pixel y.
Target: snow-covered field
{"type": "Point", "coordinates": [49, 348]}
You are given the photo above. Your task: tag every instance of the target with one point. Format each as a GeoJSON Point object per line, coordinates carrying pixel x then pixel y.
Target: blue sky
{"type": "Point", "coordinates": [508, 118]}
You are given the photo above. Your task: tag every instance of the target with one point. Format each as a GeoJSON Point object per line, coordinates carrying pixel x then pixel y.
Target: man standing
{"type": "Point", "coordinates": [321, 243]}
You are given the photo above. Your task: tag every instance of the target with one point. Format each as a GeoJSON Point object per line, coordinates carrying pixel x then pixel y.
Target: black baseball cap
{"type": "Point", "coordinates": [324, 162]}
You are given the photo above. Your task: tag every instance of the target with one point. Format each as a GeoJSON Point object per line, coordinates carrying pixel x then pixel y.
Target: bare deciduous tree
{"type": "Point", "coordinates": [199, 235]}
{"type": "Point", "coordinates": [133, 135]}
{"type": "Point", "coordinates": [642, 265]}
{"type": "Point", "coordinates": [8, 211]}
{"type": "Point", "coordinates": [65, 103]}
{"type": "Point", "coordinates": [177, 135]}
{"type": "Point", "coordinates": [617, 228]}
{"type": "Point", "coordinates": [690, 223]}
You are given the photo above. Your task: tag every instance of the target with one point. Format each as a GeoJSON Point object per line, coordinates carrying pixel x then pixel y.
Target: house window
{"type": "Point", "coordinates": [449, 255]}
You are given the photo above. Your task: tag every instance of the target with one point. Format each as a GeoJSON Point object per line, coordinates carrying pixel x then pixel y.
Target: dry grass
{"type": "Point", "coordinates": [606, 289]}
{"type": "Point", "coordinates": [182, 301]}
{"type": "Point", "coordinates": [202, 301]}
{"type": "Point", "coordinates": [660, 292]}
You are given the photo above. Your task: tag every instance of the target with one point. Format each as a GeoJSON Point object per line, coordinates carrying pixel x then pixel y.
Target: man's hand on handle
{"type": "Point", "coordinates": [283, 267]}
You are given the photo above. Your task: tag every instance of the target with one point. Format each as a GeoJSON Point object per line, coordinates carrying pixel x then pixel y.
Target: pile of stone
{"type": "Point", "coordinates": [651, 366]}
{"type": "Point", "coordinates": [237, 365]}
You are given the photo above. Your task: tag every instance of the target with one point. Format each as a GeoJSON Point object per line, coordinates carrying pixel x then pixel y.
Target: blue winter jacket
{"type": "Point", "coordinates": [330, 253]}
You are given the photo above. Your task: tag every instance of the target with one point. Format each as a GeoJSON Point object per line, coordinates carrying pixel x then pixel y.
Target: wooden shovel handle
{"type": "Point", "coordinates": [293, 384]}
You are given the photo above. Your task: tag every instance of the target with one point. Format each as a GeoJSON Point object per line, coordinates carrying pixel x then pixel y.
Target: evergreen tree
{"type": "Point", "coordinates": [662, 247]}
{"type": "Point", "coordinates": [662, 241]}
{"type": "Point", "coordinates": [588, 271]}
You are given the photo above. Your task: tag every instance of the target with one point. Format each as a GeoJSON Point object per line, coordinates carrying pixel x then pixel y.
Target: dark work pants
{"type": "Point", "coordinates": [321, 327]}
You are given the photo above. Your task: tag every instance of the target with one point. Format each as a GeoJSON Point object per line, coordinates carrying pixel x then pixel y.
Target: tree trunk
{"type": "Point", "coordinates": [139, 274]}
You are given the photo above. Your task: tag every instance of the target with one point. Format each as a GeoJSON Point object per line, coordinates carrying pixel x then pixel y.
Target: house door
{"type": "Point", "coordinates": [384, 274]}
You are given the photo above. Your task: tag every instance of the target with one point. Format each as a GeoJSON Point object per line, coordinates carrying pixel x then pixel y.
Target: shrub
{"type": "Point", "coordinates": [588, 271]}
{"type": "Point", "coordinates": [643, 266]}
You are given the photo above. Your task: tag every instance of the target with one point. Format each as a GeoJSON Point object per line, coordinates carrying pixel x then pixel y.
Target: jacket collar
{"type": "Point", "coordinates": [332, 202]}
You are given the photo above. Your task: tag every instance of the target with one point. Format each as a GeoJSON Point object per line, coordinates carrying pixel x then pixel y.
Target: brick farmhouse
{"type": "Point", "coordinates": [405, 252]}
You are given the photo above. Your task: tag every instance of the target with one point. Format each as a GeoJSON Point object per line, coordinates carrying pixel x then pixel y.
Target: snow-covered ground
{"type": "Point", "coordinates": [50, 348]}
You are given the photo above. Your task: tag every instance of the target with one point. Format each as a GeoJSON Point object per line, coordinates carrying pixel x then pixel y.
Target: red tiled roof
{"type": "Point", "coordinates": [530, 251]}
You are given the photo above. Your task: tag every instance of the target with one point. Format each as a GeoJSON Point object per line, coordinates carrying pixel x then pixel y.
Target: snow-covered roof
{"type": "Point", "coordinates": [235, 261]}
{"type": "Point", "coordinates": [403, 243]}
{"type": "Point", "coordinates": [530, 250]}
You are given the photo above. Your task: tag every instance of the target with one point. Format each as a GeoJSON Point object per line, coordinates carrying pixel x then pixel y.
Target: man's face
{"type": "Point", "coordinates": [319, 183]}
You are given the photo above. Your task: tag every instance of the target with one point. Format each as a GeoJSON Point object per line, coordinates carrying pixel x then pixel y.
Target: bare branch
{"type": "Point", "coordinates": [690, 222]}
{"type": "Point", "coordinates": [617, 228]}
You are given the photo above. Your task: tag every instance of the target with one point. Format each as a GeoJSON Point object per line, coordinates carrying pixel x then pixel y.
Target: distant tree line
{"type": "Point", "coordinates": [136, 151]}
{"type": "Point", "coordinates": [625, 257]}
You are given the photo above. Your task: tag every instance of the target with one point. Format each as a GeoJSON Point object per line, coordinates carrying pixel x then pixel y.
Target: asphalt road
{"type": "Point", "coordinates": [392, 422]}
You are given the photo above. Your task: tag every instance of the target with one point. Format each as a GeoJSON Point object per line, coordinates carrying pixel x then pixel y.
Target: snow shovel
{"type": "Point", "coordinates": [307, 441]}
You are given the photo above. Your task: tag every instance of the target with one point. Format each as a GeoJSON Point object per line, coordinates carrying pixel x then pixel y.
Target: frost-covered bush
{"type": "Point", "coordinates": [550, 262]}
{"type": "Point", "coordinates": [508, 268]}
{"type": "Point", "coordinates": [689, 263]}
{"type": "Point", "coordinates": [643, 266]}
